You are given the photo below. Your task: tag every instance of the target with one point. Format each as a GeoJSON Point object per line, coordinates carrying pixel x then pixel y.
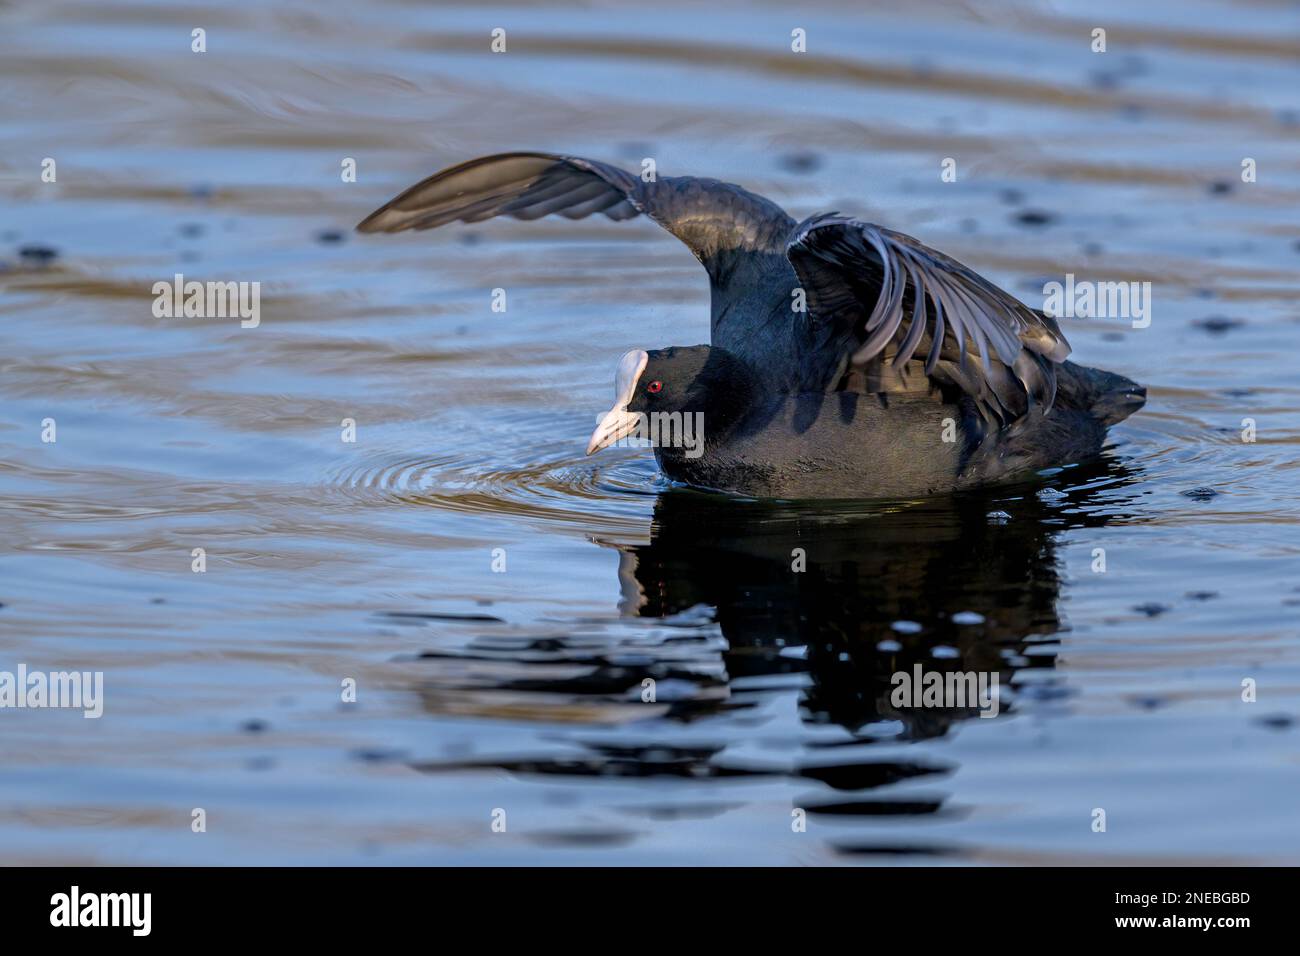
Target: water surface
{"type": "Point", "coordinates": [521, 690]}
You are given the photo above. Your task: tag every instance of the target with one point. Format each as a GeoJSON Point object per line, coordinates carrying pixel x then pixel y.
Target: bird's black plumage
{"type": "Point", "coordinates": [845, 337]}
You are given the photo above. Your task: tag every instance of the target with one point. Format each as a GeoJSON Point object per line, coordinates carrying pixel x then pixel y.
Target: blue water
{"type": "Point", "coordinates": [521, 691]}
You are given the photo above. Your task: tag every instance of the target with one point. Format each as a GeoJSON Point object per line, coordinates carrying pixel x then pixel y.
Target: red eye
{"type": "Point", "coordinates": [654, 387]}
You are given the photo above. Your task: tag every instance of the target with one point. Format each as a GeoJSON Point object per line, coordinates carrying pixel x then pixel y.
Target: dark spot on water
{"type": "Point", "coordinates": [1148, 702]}
{"type": "Point", "coordinates": [470, 238]}
{"type": "Point", "coordinates": [254, 726]}
{"type": "Point", "coordinates": [591, 838]}
{"type": "Point", "coordinates": [191, 230]}
{"type": "Point", "coordinates": [879, 808]}
{"type": "Point", "coordinates": [1199, 494]}
{"type": "Point", "coordinates": [38, 255]}
{"type": "Point", "coordinates": [1276, 721]}
{"type": "Point", "coordinates": [800, 161]}
{"type": "Point", "coordinates": [436, 616]}
{"type": "Point", "coordinates": [260, 763]}
{"type": "Point", "coordinates": [1218, 324]}
{"type": "Point", "coordinates": [1034, 217]}
{"type": "Point", "coordinates": [1220, 187]}
{"type": "Point", "coordinates": [1092, 249]}
{"type": "Point", "coordinates": [1012, 197]}
{"type": "Point", "coordinates": [1113, 336]}
{"type": "Point", "coordinates": [1202, 595]}
{"type": "Point", "coordinates": [1238, 392]}
{"type": "Point", "coordinates": [158, 601]}
{"type": "Point", "coordinates": [329, 236]}
{"type": "Point", "coordinates": [1151, 609]}
{"type": "Point", "coordinates": [378, 755]}
{"type": "Point", "coordinates": [893, 849]}
{"type": "Point", "coordinates": [201, 191]}
{"type": "Point", "coordinates": [866, 775]}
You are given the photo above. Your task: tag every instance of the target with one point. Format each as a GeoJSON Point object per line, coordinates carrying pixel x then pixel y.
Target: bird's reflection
{"type": "Point", "coordinates": [966, 583]}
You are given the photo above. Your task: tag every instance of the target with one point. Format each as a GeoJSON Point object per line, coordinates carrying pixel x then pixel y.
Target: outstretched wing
{"type": "Point", "coordinates": [888, 307]}
{"type": "Point", "coordinates": [725, 226]}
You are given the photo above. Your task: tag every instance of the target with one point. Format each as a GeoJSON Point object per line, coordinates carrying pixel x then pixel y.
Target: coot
{"type": "Point", "coordinates": [846, 360]}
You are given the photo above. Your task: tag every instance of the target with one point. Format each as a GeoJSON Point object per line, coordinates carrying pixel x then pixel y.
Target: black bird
{"type": "Point", "coordinates": [847, 360]}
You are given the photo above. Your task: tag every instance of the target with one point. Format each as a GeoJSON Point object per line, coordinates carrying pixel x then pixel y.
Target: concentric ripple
{"type": "Point", "coordinates": [611, 496]}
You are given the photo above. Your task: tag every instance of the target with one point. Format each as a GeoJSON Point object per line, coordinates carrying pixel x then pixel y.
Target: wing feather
{"type": "Point", "coordinates": [858, 277]}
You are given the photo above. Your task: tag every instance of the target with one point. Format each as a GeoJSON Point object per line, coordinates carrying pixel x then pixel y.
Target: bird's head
{"type": "Point", "coordinates": [651, 387]}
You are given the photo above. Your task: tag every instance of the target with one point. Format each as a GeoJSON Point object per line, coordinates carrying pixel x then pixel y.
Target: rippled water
{"type": "Point", "coordinates": [520, 691]}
